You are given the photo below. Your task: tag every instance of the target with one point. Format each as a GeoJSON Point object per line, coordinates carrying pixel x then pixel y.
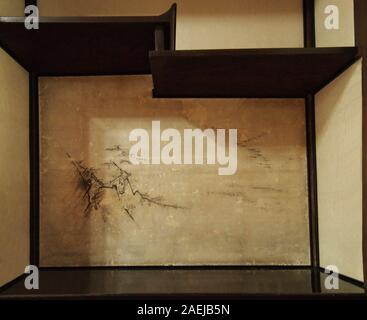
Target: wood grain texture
{"type": "Point", "coordinates": [14, 169]}
{"type": "Point", "coordinates": [257, 216]}
{"type": "Point", "coordinates": [339, 169]}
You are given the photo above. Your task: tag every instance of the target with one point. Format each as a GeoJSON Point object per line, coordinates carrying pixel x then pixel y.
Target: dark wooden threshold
{"type": "Point", "coordinates": [194, 282]}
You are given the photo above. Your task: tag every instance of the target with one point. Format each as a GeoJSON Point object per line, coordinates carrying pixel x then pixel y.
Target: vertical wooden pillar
{"type": "Point", "coordinates": [34, 168]}
{"type": "Point", "coordinates": [312, 179]}
{"type": "Point", "coordinates": [309, 23]}
{"type": "Point", "coordinates": [309, 42]}
{"type": "Point", "coordinates": [173, 16]}
{"type": "Point", "coordinates": [360, 27]}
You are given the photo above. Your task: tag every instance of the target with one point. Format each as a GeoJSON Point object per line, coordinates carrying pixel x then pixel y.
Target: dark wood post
{"type": "Point", "coordinates": [309, 42]}
{"type": "Point", "coordinates": [360, 29]}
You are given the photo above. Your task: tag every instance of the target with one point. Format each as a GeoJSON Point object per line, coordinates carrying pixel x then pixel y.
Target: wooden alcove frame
{"type": "Point", "coordinates": [164, 44]}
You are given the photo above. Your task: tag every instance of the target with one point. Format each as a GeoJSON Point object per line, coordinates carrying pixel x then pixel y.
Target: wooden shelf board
{"type": "Point", "coordinates": [247, 73]}
{"type": "Point", "coordinates": [85, 45]}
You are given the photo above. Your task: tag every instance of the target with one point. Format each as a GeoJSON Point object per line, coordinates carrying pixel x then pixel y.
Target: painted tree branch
{"type": "Point", "coordinates": [120, 183]}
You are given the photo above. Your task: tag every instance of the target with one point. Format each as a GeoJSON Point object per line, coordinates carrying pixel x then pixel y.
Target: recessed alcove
{"type": "Point", "coordinates": [190, 215]}
{"type": "Point", "coordinates": [101, 226]}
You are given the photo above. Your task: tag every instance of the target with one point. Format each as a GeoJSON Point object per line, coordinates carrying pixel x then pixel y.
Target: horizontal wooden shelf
{"type": "Point", "coordinates": [86, 45]}
{"type": "Point", "coordinates": [247, 73]}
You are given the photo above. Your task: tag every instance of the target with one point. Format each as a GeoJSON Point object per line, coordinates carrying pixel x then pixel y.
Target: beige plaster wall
{"type": "Point", "coordinates": [205, 24]}
{"type": "Point", "coordinates": [257, 216]}
{"type": "Point", "coordinates": [339, 169]}
{"type": "Point", "coordinates": [11, 7]}
{"type": "Point", "coordinates": [14, 169]}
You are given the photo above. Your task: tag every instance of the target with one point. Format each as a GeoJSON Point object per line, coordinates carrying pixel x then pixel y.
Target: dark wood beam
{"type": "Point", "coordinates": [34, 168]}
{"type": "Point", "coordinates": [309, 23]}
{"type": "Point", "coordinates": [173, 18]}
{"type": "Point", "coordinates": [309, 42]}
{"type": "Point", "coordinates": [159, 38]}
{"type": "Point", "coordinates": [312, 179]}
{"type": "Point", "coordinates": [84, 45]}
{"type": "Point", "coordinates": [360, 28]}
